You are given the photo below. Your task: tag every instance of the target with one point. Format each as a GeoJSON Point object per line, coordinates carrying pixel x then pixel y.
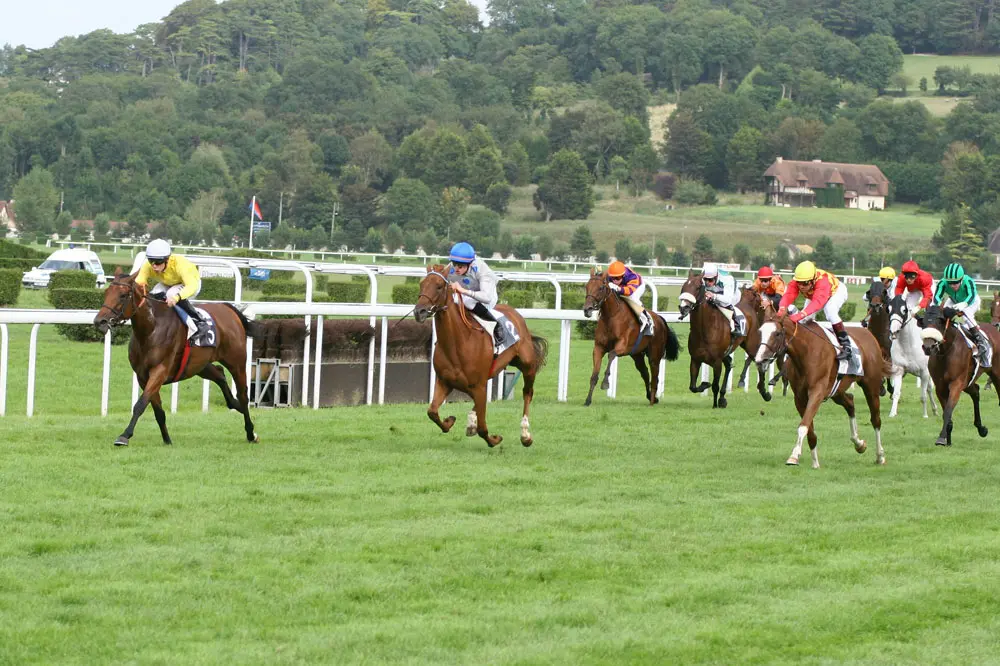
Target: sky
{"type": "Point", "coordinates": [40, 23]}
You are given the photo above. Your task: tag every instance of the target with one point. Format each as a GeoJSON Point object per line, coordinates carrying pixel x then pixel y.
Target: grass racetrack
{"type": "Point", "coordinates": [627, 534]}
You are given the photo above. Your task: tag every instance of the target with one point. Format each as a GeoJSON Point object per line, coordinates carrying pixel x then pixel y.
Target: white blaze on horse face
{"type": "Point", "coordinates": [767, 333]}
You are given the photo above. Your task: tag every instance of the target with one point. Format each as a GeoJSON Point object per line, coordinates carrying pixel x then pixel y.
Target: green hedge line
{"type": "Point", "coordinates": [14, 250]}
{"type": "Point", "coordinates": [285, 287]}
{"type": "Point", "coordinates": [847, 312]}
{"type": "Point", "coordinates": [73, 279]}
{"type": "Point", "coordinates": [18, 264]}
{"type": "Point", "coordinates": [405, 294]}
{"type": "Point", "coordinates": [217, 289]}
{"type": "Point", "coordinates": [348, 292]}
{"type": "Point", "coordinates": [109, 268]}
{"type": "Point", "coordinates": [10, 286]}
{"type": "Point", "coordinates": [84, 299]}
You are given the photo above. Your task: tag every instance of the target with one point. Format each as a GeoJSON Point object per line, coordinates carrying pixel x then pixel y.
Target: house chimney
{"type": "Point", "coordinates": [779, 160]}
{"type": "Point", "coordinates": [818, 161]}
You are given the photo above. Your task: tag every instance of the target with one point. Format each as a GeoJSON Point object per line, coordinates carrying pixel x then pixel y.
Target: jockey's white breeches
{"type": "Point", "coordinates": [832, 307]}
{"type": "Point", "coordinates": [171, 292]}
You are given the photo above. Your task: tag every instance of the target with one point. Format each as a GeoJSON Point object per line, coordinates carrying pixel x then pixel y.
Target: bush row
{"type": "Point", "coordinates": [18, 264]}
{"type": "Point", "coordinates": [71, 280]}
{"type": "Point", "coordinates": [84, 299]}
{"type": "Point", "coordinates": [13, 250]}
{"type": "Point", "coordinates": [10, 286]}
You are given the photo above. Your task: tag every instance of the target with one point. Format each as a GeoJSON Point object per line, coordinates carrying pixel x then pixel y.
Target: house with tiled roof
{"type": "Point", "coordinates": [7, 216]}
{"type": "Point", "coordinates": [794, 183]}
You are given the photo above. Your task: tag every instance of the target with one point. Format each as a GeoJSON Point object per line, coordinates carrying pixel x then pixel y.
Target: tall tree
{"type": "Point", "coordinates": [565, 191]}
{"type": "Point", "coordinates": [35, 202]}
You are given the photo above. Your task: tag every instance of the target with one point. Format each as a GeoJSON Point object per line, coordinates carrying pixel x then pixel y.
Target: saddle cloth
{"type": "Point", "coordinates": [732, 316]}
{"type": "Point", "coordinates": [855, 366]}
{"type": "Point", "coordinates": [210, 338]}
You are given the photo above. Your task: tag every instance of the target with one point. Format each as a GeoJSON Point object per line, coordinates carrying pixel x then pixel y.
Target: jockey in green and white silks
{"type": "Point", "coordinates": [720, 291]}
{"type": "Point", "coordinates": [476, 284]}
{"type": "Point", "coordinates": [958, 290]}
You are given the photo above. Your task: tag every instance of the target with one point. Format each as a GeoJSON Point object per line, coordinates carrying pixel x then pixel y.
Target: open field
{"type": "Point", "coordinates": [761, 227]}
{"type": "Point", "coordinates": [917, 65]}
{"type": "Point", "coordinates": [628, 533]}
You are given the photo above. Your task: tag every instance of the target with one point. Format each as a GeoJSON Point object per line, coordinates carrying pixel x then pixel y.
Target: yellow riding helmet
{"type": "Point", "coordinates": [887, 273]}
{"type": "Point", "coordinates": [805, 272]}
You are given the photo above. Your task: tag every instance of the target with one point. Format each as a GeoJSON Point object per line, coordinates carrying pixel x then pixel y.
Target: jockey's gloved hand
{"type": "Point", "coordinates": [797, 317]}
{"type": "Point", "coordinates": [615, 287]}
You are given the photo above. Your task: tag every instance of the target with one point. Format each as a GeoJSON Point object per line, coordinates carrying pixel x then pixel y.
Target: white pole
{"type": "Point", "coordinates": [204, 395]}
{"type": "Point", "coordinates": [319, 358]}
{"type": "Point", "coordinates": [173, 397]}
{"type": "Point", "coordinates": [106, 374]}
{"type": "Point", "coordinates": [434, 339]}
{"type": "Point", "coordinates": [32, 350]}
{"type": "Point", "coordinates": [253, 205]}
{"type": "Point", "coordinates": [3, 369]}
{"type": "Point", "coordinates": [383, 353]}
{"type": "Point", "coordinates": [135, 390]}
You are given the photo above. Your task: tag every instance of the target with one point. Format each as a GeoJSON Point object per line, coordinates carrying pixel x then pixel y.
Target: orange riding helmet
{"type": "Point", "coordinates": [616, 269]}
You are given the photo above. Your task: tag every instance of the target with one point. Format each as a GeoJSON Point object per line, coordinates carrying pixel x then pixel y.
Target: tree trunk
{"type": "Point", "coordinates": [722, 74]}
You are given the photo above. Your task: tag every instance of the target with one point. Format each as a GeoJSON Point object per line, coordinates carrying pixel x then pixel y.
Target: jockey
{"type": "Point", "coordinates": [888, 278]}
{"type": "Point", "coordinates": [178, 279]}
{"type": "Point", "coordinates": [823, 291]}
{"type": "Point", "coordinates": [770, 285]}
{"type": "Point", "coordinates": [720, 291]}
{"type": "Point", "coordinates": [958, 290]}
{"type": "Point", "coordinates": [623, 280]}
{"type": "Point", "coordinates": [917, 285]}
{"type": "Point", "coordinates": [477, 283]}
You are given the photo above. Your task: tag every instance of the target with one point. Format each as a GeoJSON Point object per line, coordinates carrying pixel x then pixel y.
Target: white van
{"type": "Point", "coordinates": [76, 259]}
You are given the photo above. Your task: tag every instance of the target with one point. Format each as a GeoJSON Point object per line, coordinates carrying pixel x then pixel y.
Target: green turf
{"type": "Point", "coordinates": [917, 66]}
{"type": "Point", "coordinates": [627, 534]}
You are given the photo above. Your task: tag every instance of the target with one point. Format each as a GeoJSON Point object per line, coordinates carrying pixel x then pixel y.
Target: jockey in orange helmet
{"type": "Point", "coordinates": [623, 280]}
{"type": "Point", "coordinates": [770, 285]}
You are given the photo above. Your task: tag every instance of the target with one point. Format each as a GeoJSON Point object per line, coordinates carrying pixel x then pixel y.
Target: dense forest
{"type": "Point", "coordinates": [412, 120]}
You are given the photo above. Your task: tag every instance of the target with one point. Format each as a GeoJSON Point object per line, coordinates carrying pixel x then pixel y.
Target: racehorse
{"type": "Point", "coordinates": [878, 323]}
{"type": "Point", "coordinates": [159, 352]}
{"type": "Point", "coordinates": [618, 334]}
{"type": "Point", "coordinates": [710, 341]}
{"type": "Point", "coordinates": [757, 309]}
{"type": "Point", "coordinates": [953, 367]}
{"type": "Point", "coordinates": [995, 310]}
{"type": "Point", "coordinates": [907, 355]}
{"type": "Point", "coordinates": [812, 369]}
{"type": "Point", "coordinates": [463, 358]}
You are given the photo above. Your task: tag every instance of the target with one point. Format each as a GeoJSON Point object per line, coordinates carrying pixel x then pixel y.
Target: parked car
{"type": "Point", "coordinates": [65, 260]}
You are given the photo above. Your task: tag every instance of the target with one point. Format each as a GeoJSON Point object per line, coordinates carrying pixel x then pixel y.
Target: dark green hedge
{"type": "Point", "coordinates": [405, 294]}
{"type": "Point", "coordinates": [15, 250]}
{"type": "Point", "coordinates": [283, 287]}
{"type": "Point", "coordinates": [217, 289]}
{"type": "Point", "coordinates": [517, 298]}
{"type": "Point", "coordinates": [19, 264]}
{"type": "Point", "coordinates": [72, 280]}
{"type": "Point", "coordinates": [109, 268]}
{"type": "Point", "coordinates": [847, 312]}
{"type": "Point", "coordinates": [84, 299]}
{"type": "Point", "coordinates": [10, 286]}
{"type": "Point", "coordinates": [348, 292]}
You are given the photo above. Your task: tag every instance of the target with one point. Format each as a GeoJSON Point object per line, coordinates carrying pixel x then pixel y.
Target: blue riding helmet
{"type": "Point", "coordinates": [462, 253]}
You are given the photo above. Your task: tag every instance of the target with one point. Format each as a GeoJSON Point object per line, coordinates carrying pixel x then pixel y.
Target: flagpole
{"type": "Point", "coordinates": [253, 205]}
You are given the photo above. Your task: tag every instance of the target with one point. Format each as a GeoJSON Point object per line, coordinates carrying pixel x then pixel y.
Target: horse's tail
{"type": "Point", "coordinates": [254, 329]}
{"type": "Point", "coordinates": [672, 348]}
{"type": "Point", "coordinates": [541, 346]}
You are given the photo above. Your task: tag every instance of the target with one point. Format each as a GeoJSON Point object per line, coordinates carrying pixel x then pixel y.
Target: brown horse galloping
{"type": "Point", "coordinates": [710, 341]}
{"type": "Point", "coordinates": [756, 309]}
{"type": "Point", "coordinates": [617, 334]}
{"type": "Point", "coordinates": [463, 357]}
{"type": "Point", "coordinates": [952, 368]}
{"type": "Point", "coordinates": [812, 370]}
{"type": "Point", "coordinates": [157, 350]}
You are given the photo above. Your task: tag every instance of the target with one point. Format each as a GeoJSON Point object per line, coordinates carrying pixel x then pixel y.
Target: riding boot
{"type": "Point", "coordinates": [845, 342]}
{"type": "Point", "coordinates": [647, 323]}
{"type": "Point", "coordinates": [982, 344]}
{"type": "Point", "coordinates": [201, 326]}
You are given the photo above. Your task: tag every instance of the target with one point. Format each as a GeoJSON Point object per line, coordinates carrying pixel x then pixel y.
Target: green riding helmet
{"type": "Point", "coordinates": [953, 273]}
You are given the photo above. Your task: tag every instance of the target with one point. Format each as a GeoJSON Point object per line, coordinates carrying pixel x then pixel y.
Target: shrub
{"type": "Point", "coordinates": [86, 298]}
{"type": "Point", "coordinates": [519, 299]}
{"type": "Point", "coordinates": [10, 286]}
{"type": "Point", "coordinates": [71, 280]}
{"type": "Point", "coordinates": [283, 287]}
{"type": "Point", "coordinates": [109, 268]}
{"type": "Point", "coordinates": [405, 294]}
{"type": "Point", "coordinates": [17, 251]}
{"type": "Point", "coordinates": [847, 311]}
{"type": "Point", "coordinates": [664, 185]}
{"type": "Point", "coordinates": [217, 289]}
{"type": "Point", "coordinates": [586, 328]}
{"type": "Point", "coordinates": [348, 292]}
{"type": "Point", "coordinates": [18, 263]}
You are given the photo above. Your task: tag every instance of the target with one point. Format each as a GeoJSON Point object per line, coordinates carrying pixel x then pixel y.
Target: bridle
{"type": "Point", "coordinates": [434, 308]}
{"type": "Point", "coordinates": [599, 298]}
{"type": "Point", "coordinates": [699, 298]}
{"type": "Point", "coordinates": [118, 315]}
{"type": "Point", "coordinates": [781, 347]}
{"type": "Point", "coordinates": [901, 315]}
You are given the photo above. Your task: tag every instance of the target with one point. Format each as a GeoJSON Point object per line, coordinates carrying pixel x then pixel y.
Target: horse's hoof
{"type": "Point", "coordinates": [723, 403]}
{"type": "Point", "coordinates": [654, 401]}
{"type": "Point", "coordinates": [793, 461]}
{"type": "Point", "coordinates": [741, 384]}
{"type": "Point", "coordinates": [941, 441]}
{"type": "Point", "coordinates": [881, 392]}
{"type": "Point", "coordinates": [167, 442]}
{"type": "Point", "coordinates": [121, 441]}
{"type": "Point", "coordinates": [604, 386]}
{"type": "Point", "coordinates": [256, 439]}
{"type": "Point", "coordinates": [527, 441]}
{"type": "Point", "coordinates": [983, 431]}
{"type": "Point", "coordinates": [880, 461]}
{"type": "Point", "coordinates": [860, 446]}
{"type": "Point", "coordinates": [494, 440]}
{"type": "Point", "coordinates": [586, 403]}
{"type": "Point", "coordinates": [448, 423]}
{"type": "Point", "coordinates": [815, 465]}
{"type": "Point", "coordinates": [470, 431]}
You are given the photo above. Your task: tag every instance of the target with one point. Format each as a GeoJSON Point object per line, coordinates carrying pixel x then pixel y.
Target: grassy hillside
{"type": "Point", "coordinates": [920, 65]}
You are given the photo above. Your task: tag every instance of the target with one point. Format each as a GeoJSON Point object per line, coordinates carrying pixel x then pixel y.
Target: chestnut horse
{"type": "Point", "coordinates": [158, 355]}
{"type": "Point", "coordinates": [812, 371]}
{"type": "Point", "coordinates": [952, 367]}
{"type": "Point", "coordinates": [710, 341]}
{"type": "Point", "coordinates": [617, 334]}
{"type": "Point", "coordinates": [757, 309]}
{"type": "Point", "coordinates": [463, 358]}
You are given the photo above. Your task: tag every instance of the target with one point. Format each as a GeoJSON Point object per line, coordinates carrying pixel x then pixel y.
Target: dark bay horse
{"type": "Point", "coordinates": [878, 323]}
{"type": "Point", "coordinates": [710, 341]}
{"type": "Point", "coordinates": [953, 368]}
{"type": "Point", "coordinates": [617, 334]}
{"type": "Point", "coordinates": [463, 357]}
{"type": "Point", "coordinates": [812, 371]}
{"type": "Point", "coordinates": [157, 349]}
{"type": "Point", "coordinates": [756, 309]}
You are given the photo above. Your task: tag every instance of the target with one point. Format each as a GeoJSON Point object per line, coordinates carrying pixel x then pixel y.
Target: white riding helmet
{"type": "Point", "coordinates": [710, 270]}
{"type": "Point", "coordinates": [158, 250]}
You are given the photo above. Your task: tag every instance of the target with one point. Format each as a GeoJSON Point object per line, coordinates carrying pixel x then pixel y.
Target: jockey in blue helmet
{"type": "Point", "coordinates": [476, 283]}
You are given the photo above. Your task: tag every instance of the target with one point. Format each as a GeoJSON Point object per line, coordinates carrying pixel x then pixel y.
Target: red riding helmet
{"type": "Point", "coordinates": [765, 272]}
{"type": "Point", "coordinates": [910, 267]}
